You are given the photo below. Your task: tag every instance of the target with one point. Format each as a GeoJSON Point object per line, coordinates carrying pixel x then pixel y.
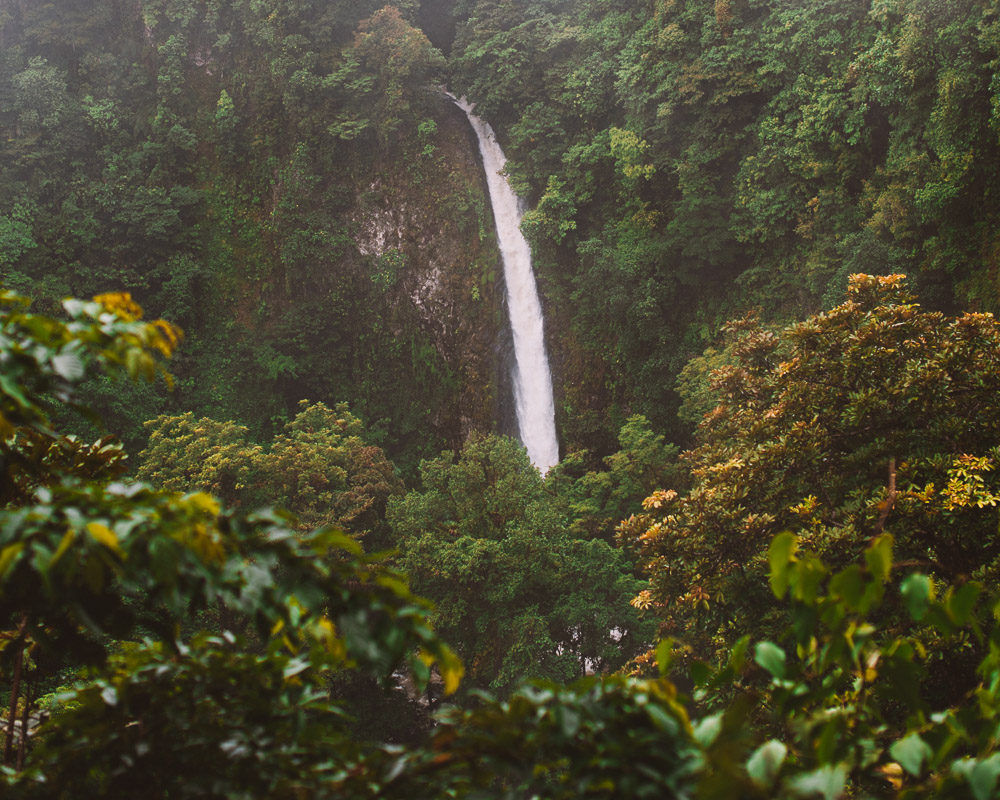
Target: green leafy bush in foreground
{"type": "Point", "coordinates": [841, 695]}
{"type": "Point", "coordinates": [832, 711]}
{"type": "Point", "coordinates": [202, 640]}
{"type": "Point", "coordinates": [203, 644]}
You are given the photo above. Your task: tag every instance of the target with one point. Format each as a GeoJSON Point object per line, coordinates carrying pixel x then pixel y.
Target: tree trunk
{"type": "Point", "coordinates": [22, 742]}
{"type": "Point", "coordinates": [15, 691]}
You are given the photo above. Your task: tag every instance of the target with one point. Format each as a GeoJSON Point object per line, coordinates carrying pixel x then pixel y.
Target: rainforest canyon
{"type": "Point", "coordinates": [267, 528]}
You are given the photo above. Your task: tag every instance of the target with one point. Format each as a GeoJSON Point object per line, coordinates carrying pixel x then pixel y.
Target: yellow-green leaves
{"type": "Point", "coordinates": [204, 502]}
{"type": "Point", "coordinates": [911, 752]}
{"type": "Point", "coordinates": [804, 575]}
{"type": "Point", "coordinates": [104, 535]}
{"type": "Point", "coordinates": [772, 658]}
{"type": "Point", "coordinates": [318, 468]}
{"type": "Point", "coordinates": [45, 358]}
{"type": "Point", "coordinates": [967, 486]}
{"type": "Point", "coordinates": [451, 669]}
{"type": "Point", "coordinates": [918, 592]}
{"type": "Point", "coordinates": [779, 556]}
{"type": "Point", "coordinates": [629, 152]}
{"type": "Point", "coordinates": [802, 425]}
{"type": "Point", "coordinates": [879, 558]}
{"type": "Point", "coordinates": [448, 663]}
{"type": "Point", "coordinates": [7, 556]}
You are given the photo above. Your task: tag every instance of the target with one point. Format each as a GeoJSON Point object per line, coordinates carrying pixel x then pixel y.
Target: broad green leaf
{"type": "Point", "coordinates": [826, 782]}
{"type": "Point", "coordinates": [163, 559]}
{"type": "Point", "coordinates": [11, 388]}
{"type": "Point", "coordinates": [917, 591]}
{"type": "Point", "coordinates": [333, 537]}
{"type": "Point", "coordinates": [879, 558]}
{"type": "Point", "coordinates": [983, 778]}
{"type": "Point", "coordinates": [397, 586]}
{"type": "Point", "coordinates": [700, 673]}
{"type": "Point", "coordinates": [771, 657]}
{"type": "Point", "coordinates": [937, 616]}
{"type": "Point", "coordinates": [849, 586]}
{"type": "Point", "coordinates": [805, 619]}
{"type": "Point", "coordinates": [806, 577]}
{"type": "Point", "coordinates": [295, 666]}
{"type": "Point", "coordinates": [64, 545]}
{"type": "Point", "coordinates": [911, 752]}
{"type": "Point", "coordinates": [766, 761]}
{"type": "Point", "coordinates": [779, 557]}
{"type": "Point", "coordinates": [664, 655]}
{"type": "Point", "coordinates": [421, 671]}
{"type": "Point", "coordinates": [981, 775]}
{"type": "Point", "coordinates": [663, 720]}
{"type": "Point", "coordinates": [74, 307]}
{"type": "Point", "coordinates": [738, 655]}
{"type": "Point", "coordinates": [830, 736]}
{"type": "Point", "coordinates": [707, 730]}
{"type": "Point", "coordinates": [569, 721]}
{"type": "Point", "coordinates": [961, 601]}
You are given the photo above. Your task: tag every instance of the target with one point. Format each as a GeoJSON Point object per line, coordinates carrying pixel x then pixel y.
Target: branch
{"type": "Point", "coordinates": [890, 499]}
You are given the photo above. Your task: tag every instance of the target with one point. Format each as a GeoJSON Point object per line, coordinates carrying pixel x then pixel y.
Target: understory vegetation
{"type": "Point", "coordinates": [262, 534]}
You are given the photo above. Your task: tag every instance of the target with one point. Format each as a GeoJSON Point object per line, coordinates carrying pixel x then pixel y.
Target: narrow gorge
{"type": "Point", "coordinates": [532, 378]}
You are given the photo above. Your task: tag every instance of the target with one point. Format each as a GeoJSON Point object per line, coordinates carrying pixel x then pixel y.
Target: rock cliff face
{"type": "Point", "coordinates": [431, 215]}
{"type": "Point", "coordinates": [286, 188]}
{"type": "Point", "coordinates": [378, 282]}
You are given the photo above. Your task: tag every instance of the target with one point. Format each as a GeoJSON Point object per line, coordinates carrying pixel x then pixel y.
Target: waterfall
{"type": "Point", "coordinates": [536, 417]}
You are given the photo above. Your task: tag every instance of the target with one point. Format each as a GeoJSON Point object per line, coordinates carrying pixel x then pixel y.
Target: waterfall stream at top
{"type": "Point", "coordinates": [536, 418]}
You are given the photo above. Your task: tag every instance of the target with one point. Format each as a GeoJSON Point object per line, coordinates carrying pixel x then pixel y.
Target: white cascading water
{"type": "Point", "coordinates": [536, 417]}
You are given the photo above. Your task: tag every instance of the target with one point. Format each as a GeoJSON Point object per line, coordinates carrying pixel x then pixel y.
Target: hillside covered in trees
{"type": "Point", "coordinates": [263, 532]}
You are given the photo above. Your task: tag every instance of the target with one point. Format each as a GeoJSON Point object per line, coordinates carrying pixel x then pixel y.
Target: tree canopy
{"type": "Point", "coordinates": [515, 591]}
{"type": "Point", "coordinates": [876, 416]}
{"type": "Point", "coordinates": [114, 578]}
{"type": "Point", "coordinates": [319, 468]}
{"type": "Point", "coordinates": [780, 533]}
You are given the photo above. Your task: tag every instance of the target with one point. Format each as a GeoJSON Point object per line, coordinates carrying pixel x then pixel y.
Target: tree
{"type": "Point", "coordinates": [830, 708]}
{"type": "Point", "coordinates": [184, 712]}
{"type": "Point", "coordinates": [319, 468]}
{"type": "Point", "coordinates": [113, 576]}
{"type": "Point", "coordinates": [599, 499]}
{"type": "Point", "coordinates": [875, 416]}
{"type": "Point", "coordinates": [516, 592]}
{"type": "Point", "coordinates": [184, 454]}
{"type": "Point", "coordinates": [403, 63]}
{"type": "Point", "coordinates": [323, 471]}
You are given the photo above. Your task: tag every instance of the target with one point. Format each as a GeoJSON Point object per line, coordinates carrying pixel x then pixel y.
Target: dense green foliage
{"type": "Point", "coordinates": [206, 642]}
{"type": "Point", "coordinates": [117, 579]}
{"type": "Point", "coordinates": [220, 161]}
{"type": "Point", "coordinates": [685, 161]}
{"type": "Point", "coordinates": [689, 159]}
{"type": "Point", "coordinates": [875, 416]}
{"type": "Point", "coordinates": [284, 179]}
{"type": "Point", "coordinates": [318, 468]}
{"type": "Point", "coordinates": [823, 719]}
{"type": "Point", "coordinates": [516, 592]}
